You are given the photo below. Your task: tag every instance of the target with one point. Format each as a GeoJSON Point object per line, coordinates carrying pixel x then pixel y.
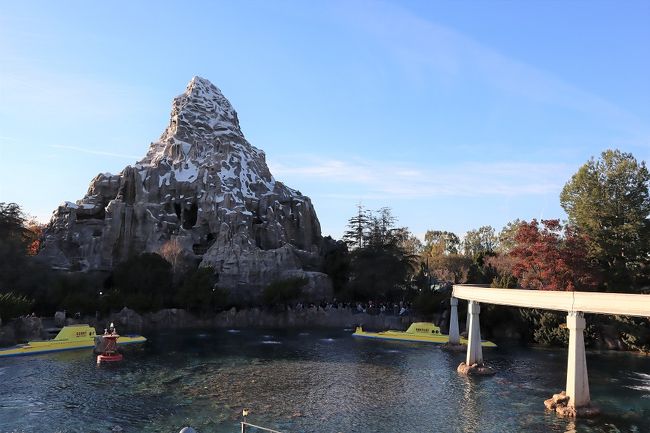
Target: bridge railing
{"type": "Point", "coordinates": [587, 302]}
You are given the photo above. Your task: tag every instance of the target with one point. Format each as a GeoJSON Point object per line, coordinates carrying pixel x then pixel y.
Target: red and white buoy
{"type": "Point", "coordinates": [110, 353]}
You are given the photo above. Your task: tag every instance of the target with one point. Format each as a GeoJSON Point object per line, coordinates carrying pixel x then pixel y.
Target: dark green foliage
{"type": "Point", "coordinates": [480, 271]}
{"type": "Point", "coordinates": [12, 225]}
{"type": "Point", "coordinates": [19, 272]}
{"type": "Point", "coordinates": [337, 263]}
{"type": "Point", "coordinates": [634, 332]}
{"type": "Point", "coordinates": [421, 279]}
{"type": "Point", "coordinates": [499, 321]}
{"type": "Point", "coordinates": [13, 305]}
{"type": "Point", "coordinates": [504, 281]}
{"type": "Point", "coordinates": [74, 292]}
{"type": "Point", "coordinates": [379, 273]}
{"type": "Point", "coordinates": [111, 299]}
{"type": "Point", "coordinates": [199, 292]}
{"type": "Point", "coordinates": [428, 302]}
{"type": "Point", "coordinates": [282, 292]}
{"type": "Point", "coordinates": [381, 231]}
{"type": "Point", "coordinates": [145, 282]}
{"type": "Point", "coordinates": [380, 266]}
{"type": "Point", "coordinates": [356, 234]}
{"type": "Point", "coordinates": [546, 327]}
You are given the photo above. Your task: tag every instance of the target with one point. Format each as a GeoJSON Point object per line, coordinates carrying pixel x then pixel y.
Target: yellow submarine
{"type": "Point", "coordinates": [69, 338]}
{"type": "Point", "coordinates": [421, 332]}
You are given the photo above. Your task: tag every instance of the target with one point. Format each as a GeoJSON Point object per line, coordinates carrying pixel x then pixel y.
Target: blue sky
{"type": "Point", "coordinates": [454, 114]}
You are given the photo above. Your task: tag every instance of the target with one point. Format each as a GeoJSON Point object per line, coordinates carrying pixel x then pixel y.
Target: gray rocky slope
{"type": "Point", "coordinates": [203, 185]}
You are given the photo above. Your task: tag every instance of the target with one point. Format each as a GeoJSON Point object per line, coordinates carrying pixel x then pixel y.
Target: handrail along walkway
{"type": "Point", "coordinates": [244, 424]}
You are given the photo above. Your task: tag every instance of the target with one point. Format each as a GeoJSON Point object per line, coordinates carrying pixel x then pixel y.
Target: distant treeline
{"type": "Point", "coordinates": [604, 246]}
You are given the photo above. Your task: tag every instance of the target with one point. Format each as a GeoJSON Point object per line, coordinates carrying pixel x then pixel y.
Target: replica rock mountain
{"type": "Point", "coordinates": [204, 187]}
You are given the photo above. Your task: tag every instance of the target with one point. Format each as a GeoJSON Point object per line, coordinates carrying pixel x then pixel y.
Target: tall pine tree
{"type": "Point", "coordinates": [355, 235]}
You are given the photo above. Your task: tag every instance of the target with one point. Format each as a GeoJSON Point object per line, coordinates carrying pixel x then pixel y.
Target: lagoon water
{"type": "Point", "coordinates": [310, 381]}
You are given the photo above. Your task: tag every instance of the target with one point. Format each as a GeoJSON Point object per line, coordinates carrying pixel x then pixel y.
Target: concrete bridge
{"type": "Point", "coordinates": [574, 303]}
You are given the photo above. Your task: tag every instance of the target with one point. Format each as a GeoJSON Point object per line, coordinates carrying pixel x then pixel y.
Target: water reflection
{"type": "Point", "coordinates": [325, 381]}
{"type": "Point", "coordinates": [468, 405]}
{"type": "Point", "coordinates": [571, 427]}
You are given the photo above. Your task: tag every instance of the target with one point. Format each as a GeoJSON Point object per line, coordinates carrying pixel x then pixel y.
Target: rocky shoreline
{"type": "Point", "coordinates": [127, 320]}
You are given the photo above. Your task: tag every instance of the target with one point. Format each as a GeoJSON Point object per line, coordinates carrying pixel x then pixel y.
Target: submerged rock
{"type": "Point", "coordinates": [204, 186]}
{"type": "Point", "coordinates": [560, 404]}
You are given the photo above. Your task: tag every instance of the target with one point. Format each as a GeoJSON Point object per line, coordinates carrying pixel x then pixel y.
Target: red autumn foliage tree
{"type": "Point", "coordinates": [551, 257]}
{"type": "Point", "coordinates": [36, 229]}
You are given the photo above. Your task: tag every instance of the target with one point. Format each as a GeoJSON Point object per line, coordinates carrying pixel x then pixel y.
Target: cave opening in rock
{"type": "Point", "coordinates": [201, 248]}
{"type": "Point", "coordinates": [189, 216]}
{"type": "Point", "coordinates": [99, 214]}
{"type": "Point", "coordinates": [127, 189]}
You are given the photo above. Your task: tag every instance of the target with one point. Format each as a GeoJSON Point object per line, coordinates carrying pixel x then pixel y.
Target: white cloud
{"type": "Point", "coordinates": [358, 178]}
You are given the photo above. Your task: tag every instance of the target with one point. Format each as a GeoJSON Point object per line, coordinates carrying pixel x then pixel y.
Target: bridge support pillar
{"type": "Point", "coordinates": [575, 401]}
{"type": "Point", "coordinates": [474, 350]}
{"type": "Point", "coordinates": [577, 382]}
{"type": "Point", "coordinates": [454, 334]}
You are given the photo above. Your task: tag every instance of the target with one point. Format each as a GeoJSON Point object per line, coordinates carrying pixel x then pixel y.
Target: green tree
{"type": "Point", "coordinates": [14, 241]}
{"type": "Point", "coordinates": [20, 272]}
{"type": "Point", "coordinates": [480, 242]}
{"type": "Point", "coordinates": [13, 228]}
{"type": "Point", "coordinates": [382, 231]}
{"type": "Point", "coordinates": [75, 292]}
{"type": "Point", "coordinates": [379, 273]}
{"type": "Point", "coordinates": [282, 292]}
{"type": "Point", "coordinates": [145, 282]}
{"type": "Point", "coordinates": [454, 268]}
{"type": "Point", "coordinates": [199, 292]}
{"type": "Point", "coordinates": [336, 263]}
{"type": "Point", "coordinates": [409, 242]}
{"type": "Point", "coordinates": [382, 267]}
{"type": "Point", "coordinates": [506, 237]}
{"type": "Point", "coordinates": [608, 200]}
{"type": "Point", "coordinates": [438, 242]}
{"type": "Point", "coordinates": [356, 234]}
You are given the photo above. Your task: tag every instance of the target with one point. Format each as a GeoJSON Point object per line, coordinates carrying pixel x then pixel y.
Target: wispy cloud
{"type": "Point", "coordinates": [395, 180]}
{"type": "Point", "coordinates": [30, 89]}
{"type": "Point", "coordinates": [95, 152]}
{"type": "Point", "coordinates": [428, 51]}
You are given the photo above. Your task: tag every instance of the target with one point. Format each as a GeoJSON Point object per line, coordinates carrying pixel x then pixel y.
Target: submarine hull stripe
{"type": "Point", "coordinates": [59, 349]}
{"type": "Point", "coordinates": [484, 343]}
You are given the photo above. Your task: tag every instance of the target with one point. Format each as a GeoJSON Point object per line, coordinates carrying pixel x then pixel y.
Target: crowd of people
{"type": "Point", "coordinates": [371, 307]}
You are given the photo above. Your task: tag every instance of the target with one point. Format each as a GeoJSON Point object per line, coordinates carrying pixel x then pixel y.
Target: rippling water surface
{"type": "Point", "coordinates": [310, 381]}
